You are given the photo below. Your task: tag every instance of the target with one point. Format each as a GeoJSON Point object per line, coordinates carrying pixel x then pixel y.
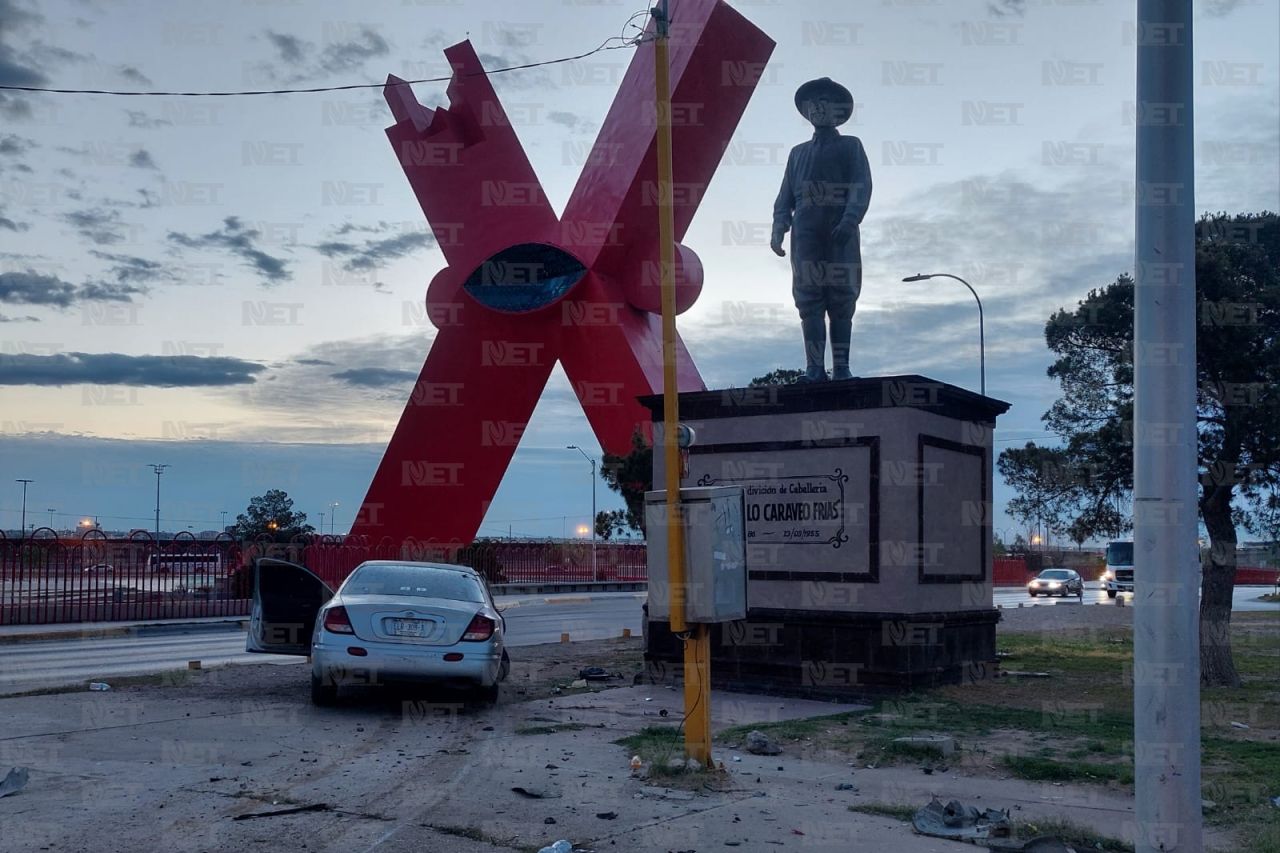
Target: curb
{"type": "Point", "coordinates": [579, 586]}
{"type": "Point", "coordinates": [537, 599]}
{"type": "Point", "coordinates": [95, 631]}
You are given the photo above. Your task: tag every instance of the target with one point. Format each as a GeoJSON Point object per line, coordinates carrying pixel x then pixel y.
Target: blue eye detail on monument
{"type": "Point", "coordinates": [524, 277]}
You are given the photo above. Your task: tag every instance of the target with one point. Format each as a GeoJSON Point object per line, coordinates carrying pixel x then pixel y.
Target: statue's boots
{"type": "Point", "coordinates": [815, 347]}
{"type": "Point", "coordinates": [841, 332]}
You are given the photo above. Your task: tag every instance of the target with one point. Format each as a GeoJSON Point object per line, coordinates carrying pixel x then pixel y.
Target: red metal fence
{"type": "Point", "coordinates": [1010, 571]}
{"type": "Point", "coordinates": [47, 579]}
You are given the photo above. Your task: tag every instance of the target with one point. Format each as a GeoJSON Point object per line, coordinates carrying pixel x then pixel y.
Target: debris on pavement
{"type": "Point", "coordinates": [99, 685]}
{"type": "Point", "coordinates": [607, 815]}
{"type": "Point", "coordinates": [595, 673]}
{"type": "Point", "coordinates": [666, 793]}
{"type": "Point", "coordinates": [14, 781]}
{"type": "Point", "coordinates": [1018, 673]}
{"type": "Point", "coordinates": [1236, 725]}
{"type": "Point", "coordinates": [958, 821]}
{"type": "Point", "coordinates": [536, 793]}
{"type": "Point", "coordinates": [759, 743]}
{"type": "Point", "coordinates": [314, 807]}
{"type": "Point", "coordinates": [846, 786]}
{"type": "Point", "coordinates": [560, 846]}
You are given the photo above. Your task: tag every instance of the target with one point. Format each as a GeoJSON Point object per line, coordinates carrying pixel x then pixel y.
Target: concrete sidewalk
{"type": "Point", "coordinates": [143, 627]}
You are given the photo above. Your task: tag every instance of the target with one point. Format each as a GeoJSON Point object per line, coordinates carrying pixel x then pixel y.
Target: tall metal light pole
{"type": "Point", "coordinates": [332, 516]}
{"type": "Point", "coordinates": [595, 575]}
{"type": "Point", "coordinates": [51, 512]}
{"type": "Point", "coordinates": [982, 334]}
{"type": "Point", "coordinates": [159, 469]}
{"type": "Point", "coordinates": [1166, 663]}
{"type": "Point", "coordinates": [25, 483]}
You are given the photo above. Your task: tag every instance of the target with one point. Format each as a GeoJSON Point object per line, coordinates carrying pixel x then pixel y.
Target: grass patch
{"type": "Point", "coordinates": [1077, 725]}
{"type": "Point", "coordinates": [1080, 837]}
{"type": "Point", "coordinates": [1041, 769]}
{"type": "Point", "coordinates": [922, 752]}
{"type": "Point", "coordinates": [902, 813]}
{"type": "Point", "coordinates": [1264, 840]}
{"type": "Point", "coordinates": [656, 746]}
{"type": "Point", "coordinates": [652, 740]}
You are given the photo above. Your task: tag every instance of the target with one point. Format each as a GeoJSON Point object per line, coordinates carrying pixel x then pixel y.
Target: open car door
{"type": "Point", "coordinates": [286, 599]}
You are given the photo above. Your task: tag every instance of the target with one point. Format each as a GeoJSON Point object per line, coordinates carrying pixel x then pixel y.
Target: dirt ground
{"type": "Point", "coordinates": [1055, 617]}
{"type": "Point", "coordinates": [181, 761]}
{"type": "Point", "coordinates": [236, 758]}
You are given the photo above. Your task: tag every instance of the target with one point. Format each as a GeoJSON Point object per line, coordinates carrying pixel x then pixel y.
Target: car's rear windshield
{"type": "Point", "coordinates": [417, 581]}
{"type": "Point", "coordinates": [1055, 574]}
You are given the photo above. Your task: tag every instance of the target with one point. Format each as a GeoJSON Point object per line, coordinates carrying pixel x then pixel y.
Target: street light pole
{"type": "Point", "coordinates": [24, 483]}
{"type": "Point", "coordinates": [332, 517]}
{"type": "Point", "coordinates": [595, 575]}
{"type": "Point", "coordinates": [159, 469]}
{"type": "Point", "coordinates": [1166, 633]}
{"type": "Point", "coordinates": [982, 334]}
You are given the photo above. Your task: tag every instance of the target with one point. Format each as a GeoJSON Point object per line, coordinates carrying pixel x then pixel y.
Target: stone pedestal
{"type": "Point", "coordinates": [868, 533]}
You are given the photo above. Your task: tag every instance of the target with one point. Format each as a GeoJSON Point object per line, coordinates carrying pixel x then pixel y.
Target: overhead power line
{"type": "Point", "coordinates": [606, 45]}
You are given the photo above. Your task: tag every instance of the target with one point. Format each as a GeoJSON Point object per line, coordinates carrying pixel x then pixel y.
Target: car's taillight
{"type": "Point", "coordinates": [335, 620]}
{"type": "Point", "coordinates": [481, 628]}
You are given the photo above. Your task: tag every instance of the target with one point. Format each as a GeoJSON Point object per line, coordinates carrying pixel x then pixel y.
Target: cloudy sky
{"type": "Point", "coordinates": [234, 286]}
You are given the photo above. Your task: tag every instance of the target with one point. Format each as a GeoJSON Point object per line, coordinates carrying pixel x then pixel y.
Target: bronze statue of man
{"type": "Point", "coordinates": [824, 195]}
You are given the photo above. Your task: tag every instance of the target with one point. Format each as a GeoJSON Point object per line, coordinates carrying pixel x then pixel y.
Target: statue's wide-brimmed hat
{"type": "Point", "coordinates": [837, 96]}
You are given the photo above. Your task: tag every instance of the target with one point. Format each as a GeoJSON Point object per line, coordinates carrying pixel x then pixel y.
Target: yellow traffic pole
{"type": "Point", "coordinates": [697, 645]}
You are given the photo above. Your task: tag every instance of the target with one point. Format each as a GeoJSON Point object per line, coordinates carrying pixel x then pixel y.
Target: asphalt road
{"type": "Point", "coordinates": [1245, 598]}
{"type": "Point", "coordinates": [531, 620]}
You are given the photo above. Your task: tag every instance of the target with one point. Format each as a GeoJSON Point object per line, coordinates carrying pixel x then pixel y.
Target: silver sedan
{"type": "Point", "coordinates": [389, 622]}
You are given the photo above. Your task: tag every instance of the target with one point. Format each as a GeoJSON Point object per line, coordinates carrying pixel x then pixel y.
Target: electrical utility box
{"type": "Point", "coordinates": [715, 547]}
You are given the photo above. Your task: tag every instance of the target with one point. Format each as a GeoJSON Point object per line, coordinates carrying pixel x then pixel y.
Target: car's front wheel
{"type": "Point", "coordinates": [1033, 594]}
{"type": "Point", "coordinates": [1111, 593]}
{"type": "Point", "coordinates": [323, 694]}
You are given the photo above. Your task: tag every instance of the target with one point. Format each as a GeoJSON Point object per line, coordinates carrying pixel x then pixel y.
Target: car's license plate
{"type": "Point", "coordinates": [409, 627]}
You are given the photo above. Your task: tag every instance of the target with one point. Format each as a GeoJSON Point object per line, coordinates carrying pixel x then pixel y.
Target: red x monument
{"type": "Point", "coordinates": [524, 288]}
